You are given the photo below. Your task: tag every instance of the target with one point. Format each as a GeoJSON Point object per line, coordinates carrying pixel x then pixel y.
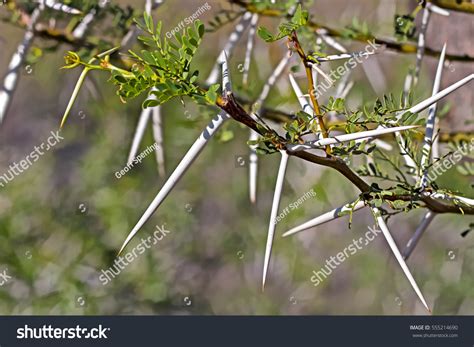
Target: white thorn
{"type": "Point", "coordinates": [229, 46]}
{"type": "Point", "coordinates": [430, 123]}
{"type": "Point", "coordinates": [139, 133]}
{"type": "Point", "coordinates": [322, 73]}
{"type": "Point", "coordinates": [330, 41]}
{"type": "Point", "coordinates": [436, 9]}
{"type": "Point", "coordinates": [158, 137]}
{"type": "Point", "coordinates": [398, 256]}
{"type": "Point", "coordinates": [226, 82]}
{"type": "Point", "coordinates": [350, 137]}
{"type": "Point", "coordinates": [272, 79]}
{"type": "Point", "coordinates": [253, 157]}
{"type": "Point", "coordinates": [80, 30]}
{"type": "Point", "coordinates": [438, 96]}
{"type": "Point", "coordinates": [334, 57]}
{"type": "Point", "coordinates": [148, 7]}
{"type": "Point", "coordinates": [383, 145]}
{"type": "Point", "coordinates": [250, 44]}
{"type": "Point", "coordinates": [420, 230]}
{"type": "Point", "coordinates": [274, 212]}
{"type": "Point", "coordinates": [187, 160]}
{"type": "Point", "coordinates": [253, 168]}
{"type": "Point", "coordinates": [326, 217]}
{"type": "Point", "coordinates": [304, 103]}
{"type": "Point", "coordinates": [420, 51]}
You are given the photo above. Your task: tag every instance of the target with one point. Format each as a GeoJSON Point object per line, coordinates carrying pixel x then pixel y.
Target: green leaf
{"type": "Point", "coordinates": [150, 103]}
{"type": "Point", "coordinates": [300, 17]}
{"type": "Point", "coordinates": [211, 94]}
{"type": "Point", "coordinates": [265, 34]}
{"type": "Point", "coordinates": [199, 28]}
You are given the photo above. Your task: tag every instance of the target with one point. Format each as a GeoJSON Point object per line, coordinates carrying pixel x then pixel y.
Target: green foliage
{"type": "Point", "coordinates": [285, 29]}
{"type": "Point", "coordinates": [165, 65]}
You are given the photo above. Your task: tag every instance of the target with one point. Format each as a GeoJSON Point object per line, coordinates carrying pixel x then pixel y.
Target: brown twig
{"type": "Point", "coordinates": [312, 93]}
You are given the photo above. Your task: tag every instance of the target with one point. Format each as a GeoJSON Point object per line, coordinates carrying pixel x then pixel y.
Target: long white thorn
{"type": "Point", "coordinates": [383, 145]}
{"type": "Point", "coordinates": [187, 160]}
{"type": "Point", "coordinates": [253, 157]}
{"type": "Point", "coordinates": [274, 212]}
{"type": "Point", "coordinates": [393, 246]}
{"type": "Point", "coordinates": [451, 197]}
{"type": "Point", "coordinates": [349, 137]}
{"type": "Point", "coordinates": [322, 73]}
{"type": "Point", "coordinates": [250, 44]}
{"type": "Point", "coordinates": [81, 29]}
{"type": "Point", "coordinates": [148, 7]}
{"type": "Point", "coordinates": [158, 137]}
{"type": "Point", "coordinates": [229, 46]}
{"type": "Point", "coordinates": [11, 78]}
{"type": "Point", "coordinates": [342, 56]}
{"type": "Point", "coordinates": [190, 156]}
{"type": "Point", "coordinates": [304, 103]}
{"type": "Point", "coordinates": [438, 96]}
{"type": "Point", "coordinates": [437, 9]}
{"type": "Point", "coordinates": [139, 133]}
{"type": "Point", "coordinates": [343, 84]}
{"type": "Point", "coordinates": [326, 217]}
{"type": "Point", "coordinates": [330, 41]}
{"type": "Point", "coordinates": [424, 105]}
{"type": "Point", "coordinates": [420, 52]}
{"type": "Point", "coordinates": [226, 82]}
{"type": "Point", "coordinates": [272, 79]}
{"type": "Point", "coordinates": [430, 124]}
{"type": "Point", "coordinates": [420, 230]}
{"type": "Point", "coordinates": [253, 168]}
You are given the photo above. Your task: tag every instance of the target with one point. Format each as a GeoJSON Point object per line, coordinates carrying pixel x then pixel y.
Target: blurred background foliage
{"type": "Point", "coordinates": [64, 219]}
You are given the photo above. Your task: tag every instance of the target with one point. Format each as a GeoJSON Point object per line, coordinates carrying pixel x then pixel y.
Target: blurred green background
{"type": "Point", "coordinates": [64, 219]}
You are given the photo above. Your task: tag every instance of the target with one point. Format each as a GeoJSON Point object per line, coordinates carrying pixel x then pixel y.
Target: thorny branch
{"type": "Point", "coordinates": [405, 47]}
{"type": "Point", "coordinates": [237, 112]}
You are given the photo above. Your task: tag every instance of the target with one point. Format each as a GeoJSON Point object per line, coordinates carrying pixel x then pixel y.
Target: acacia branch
{"type": "Point", "coordinates": [402, 47]}
{"type": "Point", "coordinates": [229, 104]}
